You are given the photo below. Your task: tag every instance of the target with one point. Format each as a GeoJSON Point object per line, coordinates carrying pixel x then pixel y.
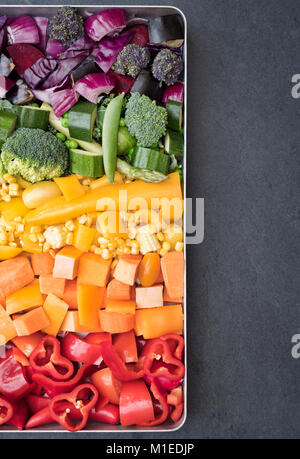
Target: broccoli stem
{"type": "Point", "coordinates": [142, 174]}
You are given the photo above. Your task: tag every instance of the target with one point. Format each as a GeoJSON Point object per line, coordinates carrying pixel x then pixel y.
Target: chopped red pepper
{"type": "Point", "coordinates": [109, 414]}
{"type": "Point", "coordinates": [160, 351]}
{"type": "Point", "coordinates": [136, 405]}
{"type": "Point", "coordinates": [176, 344]}
{"type": "Point", "coordinates": [6, 411]}
{"type": "Point", "coordinates": [20, 357]}
{"type": "Point", "coordinates": [118, 368]}
{"type": "Point", "coordinates": [78, 399]}
{"type": "Point", "coordinates": [78, 350]}
{"type": "Point", "coordinates": [20, 415]}
{"type": "Point", "coordinates": [13, 382]}
{"type": "Point", "coordinates": [175, 397]}
{"type": "Point", "coordinates": [160, 396]}
{"type": "Point", "coordinates": [125, 345]}
{"type": "Point", "coordinates": [97, 338]}
{"type": "Point", "coordinates": [36, 402]}
{"type": "Point", "coordinates": [53, 388]}
{"type": "Point", "coordinates": [39, 418]}
{"type": "Point", "coordinates": [164, 382]}
{"type": "Point", "coordinates": [46, 359]}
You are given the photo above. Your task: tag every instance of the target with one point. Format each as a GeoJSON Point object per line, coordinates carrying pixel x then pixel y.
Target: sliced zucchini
{"type": "Point", "coordinates": [148, 158]}
{"type": "Point", "coordinates": [81, 121]}
{"type": "Point", "coordinates": [86, 163]}
{"type": "Point", "coordinates": [7, 125]}
{"type": "Point", "coordinates": [32, 117]}
{"type": "Point", "coordinates": [55, 122]}
{"type": "Point", "coordinates": [174, 144]}
{"type": "Point", "coordinates": [174, 110]}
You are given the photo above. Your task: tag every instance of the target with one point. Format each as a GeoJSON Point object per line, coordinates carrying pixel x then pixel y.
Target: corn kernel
{"type": "Point", "coordinates": [69, 239]}
{"type": "Point", "coordinates": [12, 244]}
{"type": "Point", "coordinates": [106, 255]}
{"type": "Point", "coordinates": [82, 220]}
{"type": "Point", "coordinates": [112, 245]}
{"type": "Point", "coordinates": [18, 219]}
{"type": "Point", "coordinates": [126, 250]}
{"type": "Point", "coordinates": [70, 225]}
{"type": "Point", "coordinates": [9, 178]}
{"type": "Point", "coordinates": [11, 227]}
{"type": "Point", "coordinates": [120, 250]}
{"type": "Point", "coordinates": [46, 247]}
{"type": "Point", "coordinates": [41, 237]}
{"type": "Point", "coordinates": [135, 250]}
{"type": "Point", "coordinates": [13, 187]}
{"type": "Point", "coordinates": [98, 251]}
{"type": "Point", "coordinates": [135, 244]}
{"type": "Point", "coordinates": [166, 246]}
{"type": "Point", "coordinates": [6, 198]}
{"type": "Point", "coordinates": [33, 238]}
{"type": "Point", "coordinates": [89, 221]}
{"type": "Point", "coordinates": [102, 240]}
{"type": "Point", "coordinates": [131, 233]}
{"type": "Point", "coordinates": [162, 252]}
{"type": "Point", "coordinates": [179, 246]}
{"type": "Point", "coordinates": [160, 236]}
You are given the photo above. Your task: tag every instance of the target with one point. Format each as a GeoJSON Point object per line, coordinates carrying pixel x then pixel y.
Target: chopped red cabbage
{"type": "Point", "coordinates": [109, 49]}
{"type": "Point", "coordinates": [23, 29]}
{"type": "Point", "coordinates": [63, 69]}
{"type": "Point", "coordinates": [44, 94]}
{"type": "Point", "coordinates": [94, 84]}
{"type": "Point", "coordinates": [24, 56]}
{"type": "Point", "coordinates": [55, 48]}
{"type": "Point", "coordinates": [5, 85]}
{"type": "Point", "coordinates": [39, 71]}
{"type": "Point", "coordinates": [174, 92]}
{"type": "Point", "coordinates": [107, 22]}
{"type": "Point", "coordinates": [42, 24]}
{"type": "Point", "coordinates": [83, 44]}
{"type": "Point", "coordinates": [63, 100]}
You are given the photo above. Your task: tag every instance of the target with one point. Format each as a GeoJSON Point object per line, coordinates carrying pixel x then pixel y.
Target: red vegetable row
{"type": "Point", "coordinates": [75, 380]}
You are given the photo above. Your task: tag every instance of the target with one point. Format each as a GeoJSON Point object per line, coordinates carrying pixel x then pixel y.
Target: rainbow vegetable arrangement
{"type": "Point", "coordinates": [91, 316]}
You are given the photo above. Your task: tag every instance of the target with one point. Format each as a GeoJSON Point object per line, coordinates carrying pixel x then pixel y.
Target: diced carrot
{"type": "Point", "coordinates": [90, 300]}
{"type": "Point", "coordinates": [66, 263]}
{"type": "Point", "coordinates": [14, 275]}
{"type": "Point", "coordinates": [42, 263]}
{"type": "Point", "coordinates": [70, 294]}
{"type": "Point", "coordinates": [93, 270]}
{"type": "Point", "coordinates": [115, 322]}
{"type": "Point", "coordinates": [7, 327]}
{"type": "Point", "coordinates": [56, 310]}
{"type": "Point", "coordinates": [26, 298]}
{"type": "Point", "coordinates": [167, 299]}
{"type": "Point", "coordinates": [117, 290]}
{"type": "Point", "coordinates": [127, 269]}
{"type": "Point", "coordinates": [31, 322]}
{"type": "Point", "coordinates": [149, 297]}
{"type": "Point", "coordinates": [124, 307]}
{"type": "Point", "coordinates": [70, 187]}
{"type": "Point", "coordinates": [155, 322]}
{"type": "Point", "coordinates": [26, 344]}
{"type": "Point", "coordinates": [172, 266]}
{"type": "Point", "coordinates": [125, 345]}
{"type": "Point", "coordinates": [50, 284]}
{"type": "Point", "coordinates": [71, 324]}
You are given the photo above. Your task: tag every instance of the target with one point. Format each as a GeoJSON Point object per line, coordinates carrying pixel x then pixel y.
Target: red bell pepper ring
{"type": "Point", "coordinates": [46, 359]}
{"type": "Point", "coordinates": [136, 406]}
{"type": "Point", "coordinates": [6, 411]}
{"type": "Point", "coordinates": [164, 382]}
{"type": "Point", "coordinates": [76, 399]}
{"type": "Point", "coordinates": [176, 344]}
{"type": "Point", "coordinates": [160, 397]}
{"type": "Point", "coordinates": [37, 402]}
{"type": "Point", "coordinates": [40, 418]}
{"type": "Point", "coordinates": [53, 388]}
{"type": "Point", "coordinates": [78, 350]}
{"type": "Point", "coordinates": [119, 369]}
{"type": "Point", "coordinates": [97, 338]}
{"type": "Point", "coordinates": [159, 350]}
{"type": "Point", "coordinates": [110, 414]}
{"type": "Point", "coordinates": [20, 357]}
{"type": "Point", "coordinates": [20, 415]}
{"type": "Point", "coordinates": [36, 388]}
{"type": "Point", "coordinates": [14, 384]}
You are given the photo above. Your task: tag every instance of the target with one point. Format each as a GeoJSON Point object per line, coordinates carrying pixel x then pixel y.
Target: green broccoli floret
{"type": "Point", "coordinates": [145, 120]}
{"type": "Point", "coordinates": [35, 155]}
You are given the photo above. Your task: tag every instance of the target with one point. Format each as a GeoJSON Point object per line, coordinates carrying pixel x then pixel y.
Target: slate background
{"type": "Point", "coordinates": [243, 281]}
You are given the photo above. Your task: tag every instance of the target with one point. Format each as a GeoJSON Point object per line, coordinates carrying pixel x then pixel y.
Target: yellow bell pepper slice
{"type": "Point", "coordinates": [83, 237]}
{"type": "Point", "coordinates": [70, 187]}
{"type": "Point", "coordinates": [12, 209]}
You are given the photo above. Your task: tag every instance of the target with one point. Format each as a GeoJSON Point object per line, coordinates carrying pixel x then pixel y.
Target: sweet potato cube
{"type": "Point", "coordinates": [42, 263]}
{"type": "Point", "coordinates": [7, 327]}
{"type": "Point", "coordinates": [127, 269]}
{"type": "Point", "coordinates": [31, 322]}
{"type": "Point", "coordinates": [15, 273]}
{"type": "Point", "coordinates": [56, 310]}
{"type": "Point", "coordinates": [50, 284]}
{"type": "Point", "coordinates": [149, 297]}
{"type": "Point", "coordinates": [93, 270]}
{"type": "Point", "coordinates": [66, 263]}
{"type": "Point", "coordinates": [172, 266]}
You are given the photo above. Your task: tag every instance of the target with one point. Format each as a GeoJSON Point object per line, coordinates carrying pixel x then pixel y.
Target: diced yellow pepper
{"type": "Point", "coordinates": [103, 181]}
{"type": "Point", "coordinates": [26, 298]}
{"type": "Point", "coordinates": [70, 187]}
{"type": "Point", "coordinates": [83, 237]}
{"type": "Point", "coordinates": [7, 252]}
{"type": "Point", "coordinates": [12, 209]}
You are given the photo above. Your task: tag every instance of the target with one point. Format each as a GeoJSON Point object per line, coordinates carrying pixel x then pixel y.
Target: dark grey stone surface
{"type": "Point", "coordinates": [243, 281]}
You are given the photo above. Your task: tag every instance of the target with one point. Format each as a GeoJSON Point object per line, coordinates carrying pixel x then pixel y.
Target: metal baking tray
{"type": "Point", "coordinates": [131, 11]}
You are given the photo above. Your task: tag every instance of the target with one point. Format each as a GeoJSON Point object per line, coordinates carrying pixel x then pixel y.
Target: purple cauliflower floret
{"type": "Point", "coordinates": [131, 60]}
{"type": "Point", "coordinates": [66, 25]}
{"type": "Point", "coordinates": [167, 67]}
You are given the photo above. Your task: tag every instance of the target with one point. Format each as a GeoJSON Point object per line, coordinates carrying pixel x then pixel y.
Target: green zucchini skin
{"type": "Point", "coordinates": [174, 110]}
{"type": "Point", "coordinates": [30, 117]}
{"type": "Point", "coordinates": [8, 123]}
{"type": "Point", "coordinates": [148, 158]}
{"type": "Point", "coordinates": [86, 163]}
{"type": "Point", "coordinates": [81, 121]}
{"type": "Point", "coordinates": [174, 143]}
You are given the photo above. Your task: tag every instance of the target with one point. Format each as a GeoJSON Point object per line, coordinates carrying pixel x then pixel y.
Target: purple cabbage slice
{"type": "Point", "coordinates": [23, 29]}
{"type": "Point", "coordinates": [94, 84]}
{"type": "Point", "coordinates": [109, 49]}
{"type": "Point", "coordinates": [42, 24]}
{"type": "Point", "coordinates": [106, 22]}
{"type": "Point", "coordinates": [63, 100]}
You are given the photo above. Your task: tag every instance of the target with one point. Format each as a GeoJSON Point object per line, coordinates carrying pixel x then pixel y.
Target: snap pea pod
{"type": "Point", "coordinates": [110, 130]}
